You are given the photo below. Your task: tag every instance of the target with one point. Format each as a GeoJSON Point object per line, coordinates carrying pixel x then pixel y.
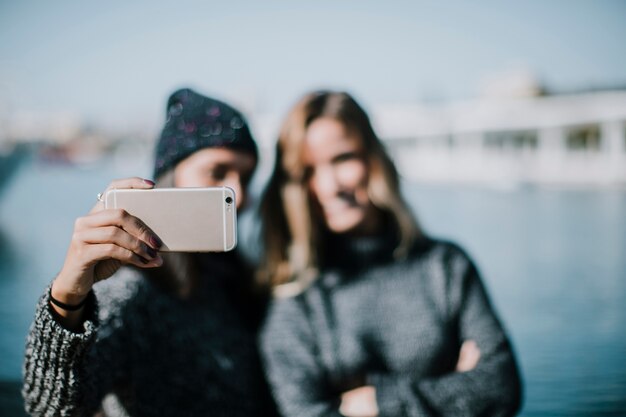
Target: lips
{"type": "Point", "coordinates": [337, 205]}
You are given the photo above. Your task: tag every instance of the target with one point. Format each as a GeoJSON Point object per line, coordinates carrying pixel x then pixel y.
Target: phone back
{"type": "Point", "coordinates": [186, 219]}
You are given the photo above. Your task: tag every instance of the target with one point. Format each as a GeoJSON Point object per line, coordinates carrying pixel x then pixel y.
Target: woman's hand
{"type": "Point", "coordinates": [359, 402]}
{"type": "Point", "coordinates": [468, 356]}
{"type": "Point", "coordinates": [102, 241]}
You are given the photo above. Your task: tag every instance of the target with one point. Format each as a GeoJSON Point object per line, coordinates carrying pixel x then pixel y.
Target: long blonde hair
{"type": "Point", "coordinates": [290, 232]}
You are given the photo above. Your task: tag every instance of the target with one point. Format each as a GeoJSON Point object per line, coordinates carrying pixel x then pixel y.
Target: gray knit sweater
{"type": "Point", "coordinates": [144, 352]}
{"type": "Point", "coordinates": [395, 325]}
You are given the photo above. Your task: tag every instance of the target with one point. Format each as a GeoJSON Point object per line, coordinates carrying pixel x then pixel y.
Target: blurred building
{"type": "Point", "coordinates": [64, 137]}
{"type": "Point", "coordinates": [511, 136]}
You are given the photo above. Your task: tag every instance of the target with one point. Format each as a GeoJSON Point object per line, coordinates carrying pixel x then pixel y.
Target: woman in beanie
{"type": "Point", "coordinates": [167, 334]}
{"type": "Point", "coordinates": [371, 317]}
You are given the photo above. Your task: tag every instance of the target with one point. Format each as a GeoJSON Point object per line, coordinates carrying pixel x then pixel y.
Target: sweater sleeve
{"type": "Point", "coordinates": [492, 388]}
{"type": "Point", "coordinates": [292, 363]}
{"type": "Point", "coordinates": [61, 377]}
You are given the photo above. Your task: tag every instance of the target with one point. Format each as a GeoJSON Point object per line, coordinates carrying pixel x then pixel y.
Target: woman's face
{"type": "Point", "coordinates": [337, 177]}
{"type": "Point", "coordinates": [212, 167]}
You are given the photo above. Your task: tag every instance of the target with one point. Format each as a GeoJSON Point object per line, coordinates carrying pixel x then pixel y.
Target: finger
{"type": "Point", "coordinates": [101, 252]}
{"type": "Point", "coordinates": [124, 183]}
{"type": "Point", "coordinates": [474, 353]}
{"type": "Point", "coordinates": [132, 182]}
{"type": "Point", "coordinates": [122, 219]}
{"type": "Point", "coordinates": [468, 356]}
{"type": "Point", "coordinates": [470, 348]}
{"type": "Point", "coordinates": [359, 402]}
{"type": "Point", "coordinates": [119, 237]}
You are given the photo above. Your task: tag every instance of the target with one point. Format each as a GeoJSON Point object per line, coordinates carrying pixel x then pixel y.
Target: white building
{"type": "Point", "coordinates": [577, 139]}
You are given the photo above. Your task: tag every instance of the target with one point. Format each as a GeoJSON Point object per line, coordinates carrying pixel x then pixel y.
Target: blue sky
{"type": "Point", "coordinates": [115, 62]}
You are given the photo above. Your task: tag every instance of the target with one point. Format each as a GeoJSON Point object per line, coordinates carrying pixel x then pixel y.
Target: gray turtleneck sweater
{"type": "Point", "coordinates": [144, 352]}
{"type": "Point", "coordinates": [396, 325]}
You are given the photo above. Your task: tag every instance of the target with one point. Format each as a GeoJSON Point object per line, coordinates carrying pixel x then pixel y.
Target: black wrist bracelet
{"type": "Point", "coordinates": [64, 306]}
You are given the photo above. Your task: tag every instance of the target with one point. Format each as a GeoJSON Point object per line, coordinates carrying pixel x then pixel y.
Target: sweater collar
{"type": "Point", "coordinates": [354, 253]}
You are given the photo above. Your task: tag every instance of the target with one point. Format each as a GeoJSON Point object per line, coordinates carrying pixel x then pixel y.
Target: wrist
{"type": "Point", "coordinates": [65, 306]}
{"type": "Point", "coordinates": [68, 295]}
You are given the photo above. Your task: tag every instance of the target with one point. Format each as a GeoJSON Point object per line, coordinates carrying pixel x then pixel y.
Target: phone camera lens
{"type": "Point", "coordinates": [229, 200]}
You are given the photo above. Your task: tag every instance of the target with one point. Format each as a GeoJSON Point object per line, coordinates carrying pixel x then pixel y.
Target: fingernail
{"type": "Point", "coordinates": [149, 182]}
{"type": "Point", "coordinates": [158, 261]}
{"type": "Point", "coordinates": [151, 252]}
{"type": "Point", "coordinates": [143, 260]}
{"type": "Point", "coordinates": [156, 242]}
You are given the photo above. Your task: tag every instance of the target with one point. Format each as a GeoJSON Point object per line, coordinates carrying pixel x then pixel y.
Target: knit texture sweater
{"type": "Point", "coordinates": [144, 352]}
{"type": "Point", "coordinates": [395, 325]}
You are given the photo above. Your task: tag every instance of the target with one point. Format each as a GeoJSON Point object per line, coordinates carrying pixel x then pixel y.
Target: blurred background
{"type": "Point", "coordinates": [507, 121]}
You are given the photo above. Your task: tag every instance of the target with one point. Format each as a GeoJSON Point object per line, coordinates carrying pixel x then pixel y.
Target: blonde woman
{"type": "Point", "coordinates": [371, 316]}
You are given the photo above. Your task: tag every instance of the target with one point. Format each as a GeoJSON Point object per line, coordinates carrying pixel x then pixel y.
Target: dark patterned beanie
{"type": "Point", "coordinates": [194, 122]}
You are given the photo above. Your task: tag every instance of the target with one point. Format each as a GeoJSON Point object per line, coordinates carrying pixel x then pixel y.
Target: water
{"type": "Point", "coordinates": [554, 264]}
{"type": "Point", "coordinates": [553, 261]}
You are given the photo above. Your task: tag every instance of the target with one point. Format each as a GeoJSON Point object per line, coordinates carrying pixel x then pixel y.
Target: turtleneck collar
{"type": "Point", "coordinates": [353, 253]}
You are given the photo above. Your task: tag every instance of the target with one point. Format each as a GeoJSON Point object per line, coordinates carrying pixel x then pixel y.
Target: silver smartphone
{"type": "Point", "coordinates": [186, 219]}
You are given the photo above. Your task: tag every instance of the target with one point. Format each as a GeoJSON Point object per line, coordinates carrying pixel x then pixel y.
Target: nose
{"type": "Point", "coordinates": [324, 182]}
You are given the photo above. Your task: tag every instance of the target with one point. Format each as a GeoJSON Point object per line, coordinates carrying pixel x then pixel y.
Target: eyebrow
{"type": "Point", "coordinates": [245, 171]}
{"type": "Point", "coordinates": [344, 155]}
